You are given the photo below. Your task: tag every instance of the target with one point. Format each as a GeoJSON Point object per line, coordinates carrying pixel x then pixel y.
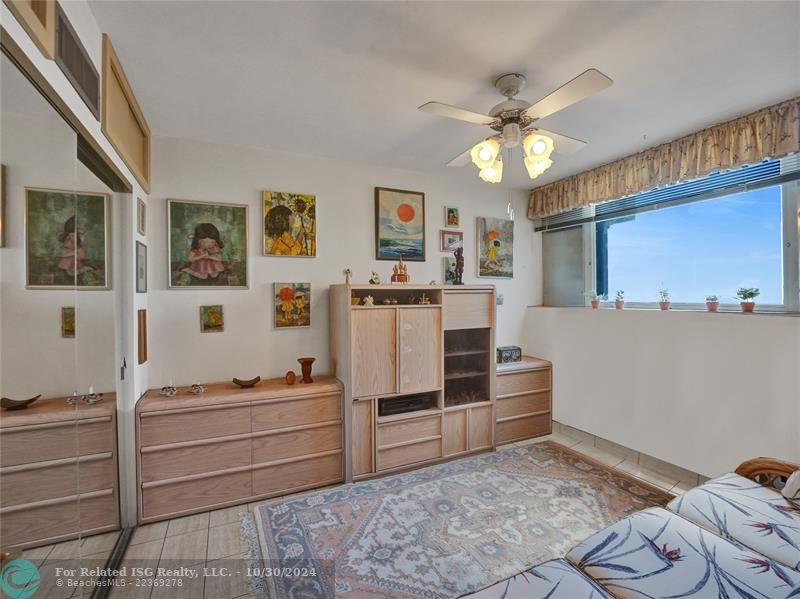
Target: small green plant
{"type": "Point", "coordinates": [712, 298]}
{"type": "Point", "coordinates": [663, 294]}
{"type": "Point", "coordinates": [620, 297]}
{"type": "Point", "coordinates": [748, 294]}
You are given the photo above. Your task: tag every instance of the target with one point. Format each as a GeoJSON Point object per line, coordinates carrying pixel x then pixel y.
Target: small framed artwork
{"type": "Point", "coordinates": [141, 217]}
{"type": "Point", "coordinates": [449, 264]}
{"type": "Point", "coordinates": [495, 248]}
{"type": "Point", "coordinates": [212, 319]}
{"type": "Point", "coordinates": [292, 305]}
{"type": "Point", "coordinates": [141, 335]}
{"type": "Point", "coordinates": [450, 240]}
{"type": "Point", "coordinates": [207, 245]}
{"type": "Point", "coordinates": [67, 245]}
{"type": "Point", "coordinates": [141, 267]}
{"type": "Point", "coordinates": [451, 217]}
{"type": "Point", "coordinates": [399, 225]}
{"type": "Point", "coordinates": [68, 322]}
{"type": "Point", "coordinates": [290, 224]}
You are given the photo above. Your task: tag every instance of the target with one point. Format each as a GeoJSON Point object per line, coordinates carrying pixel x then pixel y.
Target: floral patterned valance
{"type": "Point", "coordinates": [771, 132]}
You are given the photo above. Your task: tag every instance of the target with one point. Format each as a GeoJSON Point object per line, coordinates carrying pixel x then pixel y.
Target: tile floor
{"type": "Point", "coordinates": [214, 539]}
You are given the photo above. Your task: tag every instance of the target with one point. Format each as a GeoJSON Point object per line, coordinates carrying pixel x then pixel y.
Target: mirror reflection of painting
{"type": "Point", "coordinates": [495, 248]}
{"type": "Point", "coordinates": [399, 225]}
{"type": "Point", "coordinates": [208, 244]}
{"type": "Point", "coordinates": [292, 305]}
{"type": "Point", "coordinates": [67, 239]}
{"type": "Point", "coordinates": [290, 224]}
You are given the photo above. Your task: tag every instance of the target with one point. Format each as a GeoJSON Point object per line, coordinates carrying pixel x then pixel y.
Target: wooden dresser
{"type": "Point", "coordinates": [524, 400]}
{"type": "Point", "coordinates": [58, 472]}
{"type": "Point", "coordinates": [231, 445]}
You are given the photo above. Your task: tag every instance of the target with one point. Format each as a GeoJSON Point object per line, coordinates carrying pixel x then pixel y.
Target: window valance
{"type": "Point", "coordinates": [771, 132]}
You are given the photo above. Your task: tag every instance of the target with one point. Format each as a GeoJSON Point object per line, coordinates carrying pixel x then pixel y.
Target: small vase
{"type": "Point", "coordinates": [619, 304]}
{"type": "Point", "coordinates": [664, 305]}
{"type": "Point", "coordinates": [595, 304]}
{"type": "Point", "coordinates": [305, 369]}
{"type": "Point", "coordinates": [747, 306]}
{"type": "Point", "coordinates": [712, 306]}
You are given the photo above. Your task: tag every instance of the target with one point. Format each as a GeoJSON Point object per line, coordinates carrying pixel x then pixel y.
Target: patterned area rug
{"type": "Point", "coordinates": [445, 530]}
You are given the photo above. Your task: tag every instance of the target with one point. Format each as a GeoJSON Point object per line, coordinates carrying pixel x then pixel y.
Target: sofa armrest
{"type": "Point", "coordinates": [767, 471]}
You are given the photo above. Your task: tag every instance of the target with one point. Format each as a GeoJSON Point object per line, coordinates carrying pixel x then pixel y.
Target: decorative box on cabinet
{"type": "Point", "coordinates": [524, 400]}
{"type": "Point", "coordinates": [58, 472]}
{"type": "Point", "coordinates": [232, 445]}
{"type": "Point", "coordinates": [398, 350]}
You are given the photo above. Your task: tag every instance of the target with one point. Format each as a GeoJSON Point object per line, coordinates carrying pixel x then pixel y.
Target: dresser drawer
{"type": "Point", "coordinates": [39, 443]}
{"type": "Point", "coordinates": [305, 474]}
{"type": "Point", "coordinates": [160, 428]}
{"type": "Point", "coordinates": [409, 430]}
{"type": "Point", "coordinates": [278, 446]}
{"type": "Point", "coordinates": [521, 382]}
{"type": "Point", "coordinates": [194, 459]}
{"type": "Point", "coordinates": [522, 428]}
{"type": "Point", "coordinates": [409, 454]}
{"type": "Point", "coordinates": [296, 412]}
{"type": "Point", "coordinates": [523, 404]}
{"type": "Point", "coordinates": [57, 480]}
{"type": "Point", "coordinates": [163, 500]}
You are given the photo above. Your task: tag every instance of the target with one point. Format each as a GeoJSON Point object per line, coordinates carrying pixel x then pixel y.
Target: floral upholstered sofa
{"type": "Point", "coordinates": [736, 536]}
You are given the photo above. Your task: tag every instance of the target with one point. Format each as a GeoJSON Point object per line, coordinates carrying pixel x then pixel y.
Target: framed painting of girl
{"type": "Point", "coordinates": [67, 244]}
{"type": "Point", "coordinates": [207, 245]}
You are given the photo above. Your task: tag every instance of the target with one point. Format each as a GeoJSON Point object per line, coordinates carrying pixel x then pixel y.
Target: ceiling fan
{"type": "Point", "coordinates": [514, 120]}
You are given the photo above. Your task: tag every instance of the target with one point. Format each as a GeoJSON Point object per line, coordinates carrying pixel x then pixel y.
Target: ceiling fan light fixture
{"type": "Point", "coordinates": [536, 167]}
{"type": "Point", "coordinates": [485, 153]}
{"type": "Point", "coordinates": [493, 173]}
{"type": "Point", "coordinates": [537, 146]}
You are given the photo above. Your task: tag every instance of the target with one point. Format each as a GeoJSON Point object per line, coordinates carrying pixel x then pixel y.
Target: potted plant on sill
{"type": "Point", "coordinates": [594, 298]}
{"type": "Point", "coordinates": [747, 295]}
{"type": "Point", "coordinates": [619, 300]}
{"type": "Point", "coordinates": [663, 299]}
{"type": "Point", "coordinates": [712, 303]}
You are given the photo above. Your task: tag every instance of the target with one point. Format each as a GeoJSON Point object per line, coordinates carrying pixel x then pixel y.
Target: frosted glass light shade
{"type": "Point", "coordinates": [494, 173]}
{"type": "Point", "coordinates": [485, 153]}
{"type": "Point", "coordinates": [537, 146]}
{"type": "Point", "coordinates": [537, 167]}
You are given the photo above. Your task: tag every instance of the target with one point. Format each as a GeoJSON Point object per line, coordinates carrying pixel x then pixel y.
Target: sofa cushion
{"type": "Point", "coordinates": [657, 554]}
{"type": "Point", "coordinates": [746, 512]}
{"type": "Point", "coordinates": [556, 579]}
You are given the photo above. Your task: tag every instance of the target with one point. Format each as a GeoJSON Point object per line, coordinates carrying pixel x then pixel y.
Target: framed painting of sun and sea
{"type": "Point", "coordinates": [495, 248]}
{"type": "Point", "coordinates": [399, 225]}
{"type": "Point", "coordinates": [290, 224]}
{"type": "Point", "coordinates": [207, 245]}
{"type": "Point", "coordinates": [67, 244]}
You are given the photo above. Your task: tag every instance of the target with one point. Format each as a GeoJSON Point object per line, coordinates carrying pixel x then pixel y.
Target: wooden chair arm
{"type": "Point", "coordinates": [767, 471]}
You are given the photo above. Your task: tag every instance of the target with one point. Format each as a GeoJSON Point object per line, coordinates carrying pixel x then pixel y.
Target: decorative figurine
{"type": "Point", "coordinates": [400, 272]}
{"type": "Point", "coordinates": [16, 404]}
{"type": "Point", "coordinates": [459, 269]}
{"type": "Point", "coordinates": [291, 377]}
{"type": "Point", "coordinates": [347, 275]}
{"type": "Point", "coordinates": [305, 369]}
{"type": "Point", "coordinates": [248, 383]}
{"type": "Point", "coordinates": [198, 389]}
{"type": "Point", "coordinates": [375, 279]}
{"type": "Point", "coordinates": [368, 300]}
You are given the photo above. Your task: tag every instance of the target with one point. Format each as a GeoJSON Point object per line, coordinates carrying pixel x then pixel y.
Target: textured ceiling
{"type": "Point", "coordinates": [343, 80]}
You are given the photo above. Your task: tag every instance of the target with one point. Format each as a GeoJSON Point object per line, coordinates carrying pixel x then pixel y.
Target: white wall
{"type": "Point", "coordinates": [250, 345]}
{"type": "Point", "coordinates": [702, 391]}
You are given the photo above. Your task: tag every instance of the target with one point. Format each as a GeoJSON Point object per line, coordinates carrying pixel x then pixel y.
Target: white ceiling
{"type": "Point", "coordinates": [344, 79]}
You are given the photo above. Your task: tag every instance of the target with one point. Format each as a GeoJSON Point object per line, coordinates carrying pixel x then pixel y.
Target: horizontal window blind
{"type": "Point", "coordinates": [764, 174]}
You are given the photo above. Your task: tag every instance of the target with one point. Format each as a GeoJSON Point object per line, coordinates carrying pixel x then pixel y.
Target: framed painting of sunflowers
{"type": "Point", "coordinates": [290, 224]}
{"type": "Point", "coordinates": [292, 305]}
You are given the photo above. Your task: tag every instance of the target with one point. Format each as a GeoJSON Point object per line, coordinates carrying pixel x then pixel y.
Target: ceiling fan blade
{"type": "Point", "coordinates": [584, 85]}
{"type": "Point", "coordinates": [563, 144]}
{"type": "Point", "coordinates": [454, 112]}
{"type": "Point", "coordinates": [461, 159]}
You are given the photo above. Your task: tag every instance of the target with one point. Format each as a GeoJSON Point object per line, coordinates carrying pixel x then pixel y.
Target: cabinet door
{"type": "Point", "coordinates": [420, 349]}
{"type": "Point", "coordinates": [362, 437]}
{"type": "Point", "coordinates": [481, 424]}
{"type": "Point", "coordinates": [374, 342]}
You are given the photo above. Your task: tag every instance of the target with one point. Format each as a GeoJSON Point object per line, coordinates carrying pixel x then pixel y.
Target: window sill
{"type": "Point", "coordinates": [728, 310]}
